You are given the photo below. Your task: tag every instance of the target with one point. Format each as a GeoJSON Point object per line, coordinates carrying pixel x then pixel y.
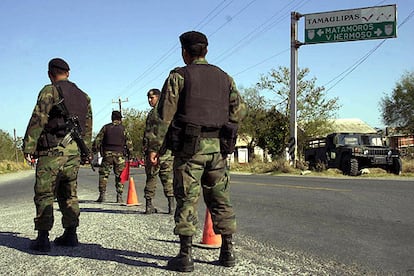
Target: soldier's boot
{"type": "Point", "coordinates": [183, 261]}
{"type": "Point", "coordinates": [69, 238]}
{"type": "Point", "coordinates": [171, 205]}
{"type": "Point", "coordinates": [41, 243]}
{"type": "Point", "coordinates": [119, 198]}
{"type": "Point", "coordinates": [227, 257]}
{"type": "Point", "coordinates": [101, 197]}
{"type": "Point", "coordinates": [149, 208]}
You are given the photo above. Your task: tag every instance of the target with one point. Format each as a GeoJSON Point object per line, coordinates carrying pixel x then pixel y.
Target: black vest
{"type": "Point", "coordinates": [204, 100]}
{"type": "Point", "coordinates": [114, 138]}
{"type": "Point", "coordinates": [75, 101]}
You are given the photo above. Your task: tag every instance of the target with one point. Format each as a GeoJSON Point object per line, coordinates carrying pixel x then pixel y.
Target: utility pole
{"type": "Point", "coordinates": [120, 103]}
{"type": "Point", "coordinates": [15, 146]}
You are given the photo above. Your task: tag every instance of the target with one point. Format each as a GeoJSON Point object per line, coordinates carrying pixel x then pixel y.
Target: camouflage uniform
{"type": "Point", "coordinates": [163, 169]}
{"type": "Point", "coordinates": [57, 168]}
{"type": "Point", "coordinates": [111, 159]}
{"type": "Point", "coordinates": [205, 170]}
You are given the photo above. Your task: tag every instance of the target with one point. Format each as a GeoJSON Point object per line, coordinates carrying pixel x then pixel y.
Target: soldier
{"type": "Point", "coordinates": [164, 168]}
{"type": "Point", "coordinates": [113, 142]}
{"type": "Point", "coordinates": [58, 163]}
{"type": "Point", "coordinates": [200, 108]}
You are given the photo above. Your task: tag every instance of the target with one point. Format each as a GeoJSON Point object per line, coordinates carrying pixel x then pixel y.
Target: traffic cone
{"type": "Point", "coordinates": [210, 239]}
{"type": "Point", "coordinates": [132, 199]}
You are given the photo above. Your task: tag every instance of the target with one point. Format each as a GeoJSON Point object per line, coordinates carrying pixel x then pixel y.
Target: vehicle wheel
{"type": "Point", "coordinates": [353, 167]}
{"type": "Point", "coordinates": [346, 165]}
{"type": "Point", "coordinates": [396, 166]}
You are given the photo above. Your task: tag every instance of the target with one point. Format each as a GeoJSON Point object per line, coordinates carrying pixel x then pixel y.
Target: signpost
{"type": "Point", "coordinates": [349, 25]}
{"type": "Point", "coordinates": [344, 25]}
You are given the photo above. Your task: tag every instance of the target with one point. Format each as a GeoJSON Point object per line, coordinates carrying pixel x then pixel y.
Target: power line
{"type": "Point", "coordinates": [356, 64]}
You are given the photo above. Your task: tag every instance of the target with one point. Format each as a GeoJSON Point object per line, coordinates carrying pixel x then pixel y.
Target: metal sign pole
{"type": "Point", "coordinates": [294, 46]}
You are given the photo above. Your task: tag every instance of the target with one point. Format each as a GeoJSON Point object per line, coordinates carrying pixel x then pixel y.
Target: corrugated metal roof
{"type": "Point", "coordinates": [352, 126]}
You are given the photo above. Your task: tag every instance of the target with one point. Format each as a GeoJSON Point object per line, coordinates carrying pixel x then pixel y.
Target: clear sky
{"type": "Point", "coordinates": [121, 49]}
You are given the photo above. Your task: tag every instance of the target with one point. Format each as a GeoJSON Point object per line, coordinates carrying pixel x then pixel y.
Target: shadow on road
{"type": "Point", "coordinates": [84, 250]}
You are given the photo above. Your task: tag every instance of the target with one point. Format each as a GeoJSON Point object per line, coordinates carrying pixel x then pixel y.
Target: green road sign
{"type": "Point", "coordinates": [350, 25]}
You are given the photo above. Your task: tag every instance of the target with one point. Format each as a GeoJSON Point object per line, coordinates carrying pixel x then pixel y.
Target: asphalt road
{"type": "Point", "coordinates": [288, 225]}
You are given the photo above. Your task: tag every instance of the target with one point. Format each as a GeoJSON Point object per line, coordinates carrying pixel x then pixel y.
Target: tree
{"type": "Point", "coordinates": [273, 134]}
{"type": "Point", "coordinates": [314, 109]}
{"type": "Point", "coordinates": [134, 122]}
{"type": "Point", "coordinates": [398, 108]}
{"type": "Point", "coordinates": [7, 147]}
{"type": "Point", "coordinates": [256, 115]}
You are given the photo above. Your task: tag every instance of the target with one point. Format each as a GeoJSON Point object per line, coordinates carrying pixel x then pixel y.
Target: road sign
{"type": "Point", "coordinates": [348, 25]}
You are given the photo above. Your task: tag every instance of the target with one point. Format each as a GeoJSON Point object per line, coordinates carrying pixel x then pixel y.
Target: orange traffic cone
{"type": "Point", "coordinates": [210, 239]}
{"type": "Point", "coordinates": [132, 199]}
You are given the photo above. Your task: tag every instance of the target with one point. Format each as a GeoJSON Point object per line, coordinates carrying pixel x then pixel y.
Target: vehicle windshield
{"type": "Point", "coordinates": [366, 140]}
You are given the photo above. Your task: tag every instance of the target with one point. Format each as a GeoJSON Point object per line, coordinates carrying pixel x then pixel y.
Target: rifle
{"type": "Point", "coordinates": [75, 130]}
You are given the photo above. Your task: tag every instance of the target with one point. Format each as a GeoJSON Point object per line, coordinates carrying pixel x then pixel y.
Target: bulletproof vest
{"type": "Point", "coordinates": [204, 100]}
{"type": "Point", "coordinates": [114, 138]}
{"type": "Point", "coordinates": [76, 103]}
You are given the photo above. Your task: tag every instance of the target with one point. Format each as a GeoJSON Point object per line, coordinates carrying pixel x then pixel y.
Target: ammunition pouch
{"type": "Point", "coordinates": [228, 138]}
{"type": "Point", "coordinates": [47, 141]}
{"type": "Point", "coordinates": [191, 141]}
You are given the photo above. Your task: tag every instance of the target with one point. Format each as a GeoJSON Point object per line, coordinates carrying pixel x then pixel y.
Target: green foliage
{"type": "Point", "coordinates": [134, 121]}
{"type": "Point", "coordinates": [7, 147]}
{"type": "Point", "coordinates": [398, 108]}
{"type": "Point", "coordinates": [267, 122]}
{"type": "Point", "coordinates": [256, 114]}
{"type": "Point", "coordinates": [314, 109]}
{"type": "Point", "coordinates": [273, 132]}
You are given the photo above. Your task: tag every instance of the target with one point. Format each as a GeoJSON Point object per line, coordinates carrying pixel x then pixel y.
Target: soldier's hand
{"type": "Point", "coordinates": [153, 158]}
{"type": "Point", "coordinates": [28, 157]}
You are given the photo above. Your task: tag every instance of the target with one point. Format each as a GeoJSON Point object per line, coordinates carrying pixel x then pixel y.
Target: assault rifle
{"type": "Point", "coordinates": [75, 130]}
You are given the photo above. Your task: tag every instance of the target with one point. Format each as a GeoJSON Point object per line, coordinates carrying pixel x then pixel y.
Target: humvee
{"type": "Point", "coordinates": [351, 152]}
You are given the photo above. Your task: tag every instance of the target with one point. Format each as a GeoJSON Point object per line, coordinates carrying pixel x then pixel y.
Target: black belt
{"type": "Point", "coordinates": [51, 153]}
{"type": "Point", "coordinates": [210, 132]}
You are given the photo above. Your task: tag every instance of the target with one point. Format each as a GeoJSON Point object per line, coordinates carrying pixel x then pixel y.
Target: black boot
{"type": "Point", "coordinates": [227, 257]}
{"type": "Point", "coordinates": [183, 261]}
{"type": "Point", "coordinates": [119, 198]}
{"type": "Point", "coordinates": [101, 197]}
{"type": "Point", "coordinates": [69, 238]}
{"type": "Point", "coordinates": [171, 205]}
{"type": "Point", "coordinates": [41, 243]}
{"type": "Point", "coordinates": [149, 208]}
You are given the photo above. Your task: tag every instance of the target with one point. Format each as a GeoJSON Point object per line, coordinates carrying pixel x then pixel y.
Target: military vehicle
{"type": "Point", "coordinates": [352, 152]}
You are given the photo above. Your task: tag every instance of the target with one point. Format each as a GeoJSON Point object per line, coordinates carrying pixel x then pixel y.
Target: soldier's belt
{"type": "Point", "coordinates": [210, 132]}
{"type": "Point", "coordinates": [51, 153]}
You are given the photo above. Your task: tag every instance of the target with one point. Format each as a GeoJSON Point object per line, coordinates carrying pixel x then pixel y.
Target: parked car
{"type": "Point", "coordinates": [136, 163]}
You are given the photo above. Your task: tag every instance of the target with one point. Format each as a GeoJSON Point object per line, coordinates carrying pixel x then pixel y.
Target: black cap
{"type": "Point", "coordinates": [116, 115]}
{"type": "Point", "coordinates": [192, 38]}
{"type": "Point", "coordinates": [154, 92]}
{"type": "Point", "coordinates": [58, 63]}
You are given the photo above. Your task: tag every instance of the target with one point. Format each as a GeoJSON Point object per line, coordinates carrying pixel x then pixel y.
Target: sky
{"type": "Point", "coordinates": [118, 50]}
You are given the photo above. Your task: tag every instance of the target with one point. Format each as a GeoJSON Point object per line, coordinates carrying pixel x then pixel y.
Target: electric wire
{"type": "Point", "coordinates": [361, 60]}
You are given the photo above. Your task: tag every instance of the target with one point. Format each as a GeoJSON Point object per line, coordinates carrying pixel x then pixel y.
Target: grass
{"type": "Point", "coordinates": [275, 167]}
{"type": "Point", "coordinates": [283, 167]}
{"type": "Point", "coordinates": [11, 166]}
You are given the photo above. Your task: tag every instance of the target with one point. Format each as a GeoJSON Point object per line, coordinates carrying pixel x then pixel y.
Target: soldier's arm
{"type": "Point", "coordinates": [98, 140]}
{"type": "Point", "coordinates": [47, 97]}
{"type": "Point", "coordinates": [167, 107]}
{"type": "Point", "coordinates": [88, 125]}
{"type": "Point", "coordinates": [237, 110]}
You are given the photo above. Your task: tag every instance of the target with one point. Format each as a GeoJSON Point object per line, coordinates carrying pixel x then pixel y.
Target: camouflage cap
{"type": "Point", "coordinates": [192, 38]}
{"type": "Point", "coordinates": [116, 115]}
{"type": "Point", "coordinates": [58, 63]}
